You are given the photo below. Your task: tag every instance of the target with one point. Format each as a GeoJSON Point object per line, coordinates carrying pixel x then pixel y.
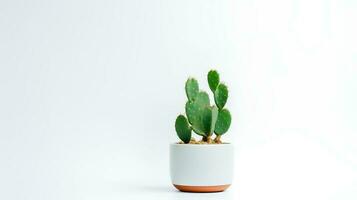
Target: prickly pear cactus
{"type": "Point", "coordinates": [213, 80]}
{"type": "Point", "coordinates": [183, 129]}
{"type": "Point", "coordinates": [221, 95]}
{"type": "Point", "coordinates": [193, 108]}
{"type": "Point", "coordinates": [192, 89]}
{"type": "Point", "coordinates": [195, 112]}
{"type": "Point", "coordinates": [202, 118]}
{"type": "Point", "coordinates": [223, 122]}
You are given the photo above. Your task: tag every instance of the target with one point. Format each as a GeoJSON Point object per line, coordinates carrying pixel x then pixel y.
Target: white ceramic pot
{"type": "Point", "coordinates": [201, 168]}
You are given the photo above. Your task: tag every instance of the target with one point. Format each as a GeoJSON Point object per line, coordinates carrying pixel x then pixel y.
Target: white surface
{"type": "Point", "coordinates": [89, 91]}
{"type": "Point", "coordinates": [201, 165]}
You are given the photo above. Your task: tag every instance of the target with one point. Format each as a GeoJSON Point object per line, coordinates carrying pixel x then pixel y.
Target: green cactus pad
{"type": "Point", "coordinates": [191, 88]}
{"type": "Point", "coordinates": [183, 129]}
{"type": "Point", "coordinates": [194, 111]}
{"type": "Point", "coordinates": [213, 80]}
{"type": "Point", "coordinates": [191, 112]}
{"type": "Point", "coordinates": [223, 122]}
{"type": "Point", "coordinates": [194, 107]}
{"type": "Point", "coordinates": [221, 96]}
{"type": "Point", "coordinates": [202, 99]}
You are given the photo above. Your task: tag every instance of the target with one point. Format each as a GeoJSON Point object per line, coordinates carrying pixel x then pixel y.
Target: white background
{"type": "Point", "coordinates": [89, 91]}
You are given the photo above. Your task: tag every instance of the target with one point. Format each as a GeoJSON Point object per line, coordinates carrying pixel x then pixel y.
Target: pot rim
{"type": "Point", "coordinates": [202, 145]}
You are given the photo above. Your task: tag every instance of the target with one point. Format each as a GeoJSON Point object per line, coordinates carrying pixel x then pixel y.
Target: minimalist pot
{"type": "Point", "coordinates": [201, 168]}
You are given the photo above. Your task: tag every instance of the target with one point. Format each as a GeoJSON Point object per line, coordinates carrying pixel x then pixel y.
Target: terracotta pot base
{"type": "Point", "coordinates": [201, 189]}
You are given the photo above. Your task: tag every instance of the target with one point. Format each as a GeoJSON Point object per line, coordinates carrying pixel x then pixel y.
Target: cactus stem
{"type": "Point", "coordinates": [218, 139]}
{"type": "Point", "coordinates": [207, 139]}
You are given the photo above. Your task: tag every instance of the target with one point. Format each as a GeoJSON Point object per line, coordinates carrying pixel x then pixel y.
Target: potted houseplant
{"type": "Point", "coordinates": [204, 165]}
